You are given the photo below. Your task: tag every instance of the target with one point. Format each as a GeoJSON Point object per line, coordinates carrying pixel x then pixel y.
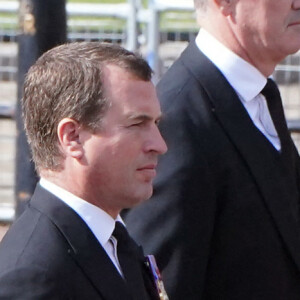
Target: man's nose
{"type": "Point", "coordinates": [296, 4]}
{"type": "Point", "coordinates": [157, 143]}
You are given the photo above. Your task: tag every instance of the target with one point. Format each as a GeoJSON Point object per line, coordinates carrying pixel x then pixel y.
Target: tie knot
{"type": "Point", "coordinates": [125, 243]}
{"type": "Point", "coordinates": [270, 90]}
{"type": "Point", "coordinates": [120, 233]}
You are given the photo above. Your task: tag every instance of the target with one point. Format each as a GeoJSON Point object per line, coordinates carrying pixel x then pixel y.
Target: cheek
{"type": "Point", "coordinates": [118, 162]}
{"type": "Point", "coordinates": [120, 155]}
{"type": "Point", "coordinates": [127, 150]}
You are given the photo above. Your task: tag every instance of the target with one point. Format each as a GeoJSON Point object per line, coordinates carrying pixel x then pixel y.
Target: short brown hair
{"type": "Point", "coordinates": [66, 82]}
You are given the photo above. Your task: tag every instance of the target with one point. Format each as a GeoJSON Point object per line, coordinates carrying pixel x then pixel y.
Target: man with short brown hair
{"type": "Point", "coordinates": [91, 115]}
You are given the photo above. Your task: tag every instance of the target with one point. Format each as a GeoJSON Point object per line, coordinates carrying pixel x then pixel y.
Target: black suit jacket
{"type": "Point", "coordinates": [50, 253]}
{"type": "Point", "coordinates": [223, 221]}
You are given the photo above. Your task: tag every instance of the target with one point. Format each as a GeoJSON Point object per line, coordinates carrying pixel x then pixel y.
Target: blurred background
{"type": "Point", "coordinates": [157, 29]}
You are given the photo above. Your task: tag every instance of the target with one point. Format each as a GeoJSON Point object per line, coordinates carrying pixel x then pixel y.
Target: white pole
{"type": "Point", "coordinates": [132, 32]}
{"type": "Point", "coordinates": [153, 40]}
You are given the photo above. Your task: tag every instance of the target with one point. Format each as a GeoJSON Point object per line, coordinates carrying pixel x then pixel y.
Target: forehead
{"type": "Point", "coordinates": [120, 86]}
{"type": "Point", "coordinates": [275, 5]}
{"type": "Point", "coordinates": [115, 75]}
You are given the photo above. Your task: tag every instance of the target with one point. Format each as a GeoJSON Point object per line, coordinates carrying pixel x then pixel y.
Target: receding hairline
{"type": "Point", "coordinates": [106, 66]}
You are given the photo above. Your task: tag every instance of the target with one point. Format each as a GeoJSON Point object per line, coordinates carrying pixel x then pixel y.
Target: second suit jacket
{"type": "Point", "coordinates": [50, 253]}
{"type": "Point", "coordinates": [223, 222]}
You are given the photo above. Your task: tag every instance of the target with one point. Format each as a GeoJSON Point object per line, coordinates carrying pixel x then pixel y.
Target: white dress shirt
{"type": "Point", "coordinates": [99, 222]}
{"type": "Point", "coordinates": [245, 79]}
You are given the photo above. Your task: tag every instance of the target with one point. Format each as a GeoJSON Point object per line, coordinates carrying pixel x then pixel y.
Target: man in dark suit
{"type": "Point", "coordinates": [90, 114]}
{"type": "Point", "coordinates": [223, 221]}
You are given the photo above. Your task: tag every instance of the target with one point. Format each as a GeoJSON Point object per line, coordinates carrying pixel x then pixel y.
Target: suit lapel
{"type": "Point", "coordinates": [83, 246]}
{"type": "Point", "coordinates": [229, 112]}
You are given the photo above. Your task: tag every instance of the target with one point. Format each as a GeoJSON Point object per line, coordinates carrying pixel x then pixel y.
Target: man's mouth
{"type": "Point", "coordinates": [149, 170]}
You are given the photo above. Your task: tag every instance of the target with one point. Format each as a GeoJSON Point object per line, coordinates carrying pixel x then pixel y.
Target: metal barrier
{"type": "Point", "coordinates": [156, 10]}
{"type": "Point", "coordinates": [125, 11]}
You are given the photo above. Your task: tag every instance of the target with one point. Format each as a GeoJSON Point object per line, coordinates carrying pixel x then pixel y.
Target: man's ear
{"type": "Point", "coordinates": [68, 132]}
{"type": "Point", "coordinates": [225, 6]}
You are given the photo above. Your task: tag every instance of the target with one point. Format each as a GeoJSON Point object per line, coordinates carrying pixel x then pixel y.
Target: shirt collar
{"type": "Point", "coordinates": [246, 80]}
{"type": "Point", "coordinates": [99, 222]}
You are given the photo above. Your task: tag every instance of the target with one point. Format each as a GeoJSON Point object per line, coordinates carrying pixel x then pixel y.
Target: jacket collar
{"type": "Point", "coordinates": [83, 246]}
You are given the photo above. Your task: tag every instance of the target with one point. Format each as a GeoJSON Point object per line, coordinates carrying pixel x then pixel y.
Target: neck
{"type": "Point", "coordinates": [76, 187]}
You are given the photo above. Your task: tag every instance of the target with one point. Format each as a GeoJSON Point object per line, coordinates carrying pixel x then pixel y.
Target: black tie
{"type": "Point", "coordinates": [272, 95]}
{"type": "Point", "coordinates": [131, 259]}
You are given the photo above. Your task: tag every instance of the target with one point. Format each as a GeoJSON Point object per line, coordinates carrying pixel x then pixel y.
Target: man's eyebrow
{"type": "Point", "coordinates": [142, 117]}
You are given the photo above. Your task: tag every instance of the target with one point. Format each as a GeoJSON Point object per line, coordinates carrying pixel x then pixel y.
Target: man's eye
{"type": "Point", "coordinates": [136, 124]}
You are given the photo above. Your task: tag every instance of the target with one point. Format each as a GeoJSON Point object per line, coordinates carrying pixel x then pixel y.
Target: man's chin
{"type": "Point", "coordinates": [141, 198]}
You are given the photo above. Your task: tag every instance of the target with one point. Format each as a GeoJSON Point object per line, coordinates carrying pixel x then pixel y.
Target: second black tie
{"type": "Point", "coordinates": [272, 95]}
